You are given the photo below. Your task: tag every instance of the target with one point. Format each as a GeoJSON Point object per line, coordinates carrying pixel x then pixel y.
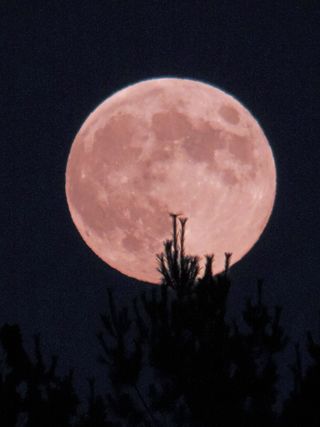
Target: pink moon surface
{"type": "Point", "coordinates": [169, 145]}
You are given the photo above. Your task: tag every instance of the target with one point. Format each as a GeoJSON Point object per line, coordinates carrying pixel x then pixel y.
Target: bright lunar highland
{"type": "Point", "coordinates": [165, 146]}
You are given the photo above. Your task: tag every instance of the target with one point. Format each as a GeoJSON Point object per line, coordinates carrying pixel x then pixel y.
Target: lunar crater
{"type": "Point", "coordinates": [229, 114]}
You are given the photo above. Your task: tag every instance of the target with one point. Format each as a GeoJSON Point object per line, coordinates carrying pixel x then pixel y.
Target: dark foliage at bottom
{"type": "Point", "coordinates": [169, 359]}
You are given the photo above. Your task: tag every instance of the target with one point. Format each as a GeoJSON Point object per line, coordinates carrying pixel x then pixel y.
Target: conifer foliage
{"type": "Point", "coordinates": [302, 407]}
{"type": "Point", "coordinates": [206, 372]}
{"type": "Point", "coordinates": [31, 394]}
{"type": "Point", "coordinates": [171, 358]}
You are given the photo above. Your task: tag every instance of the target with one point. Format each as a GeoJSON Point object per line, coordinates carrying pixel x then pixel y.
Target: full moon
{"type": "Point", "coordinates": [169, 145]}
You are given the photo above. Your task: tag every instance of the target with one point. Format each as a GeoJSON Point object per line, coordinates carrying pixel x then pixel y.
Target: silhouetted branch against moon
{"type": "Point", "coordinates": [228, 256]}
{"type": "Point", "coordinates": [208, 268]}
{"type": "Point", "coordinates": [174, 238]}
{"type": "Point", "coordinates": [169, 145]}
{"type": "Point", "coordinates": [183, 225]}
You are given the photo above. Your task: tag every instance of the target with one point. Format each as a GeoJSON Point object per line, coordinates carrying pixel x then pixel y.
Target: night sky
{"type": "Point", "coordinates": [60, 59]}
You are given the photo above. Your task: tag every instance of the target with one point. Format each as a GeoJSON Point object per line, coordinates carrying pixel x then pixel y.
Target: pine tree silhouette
{"type": "Point", "coordinates": [124, 367]}
{"type": "Point", "coordinates": [257, 369]}
{"type": "Point", "coordinates": [172, 358]}
{"type": "Point", "coordinates": [207, 372]}
{"type": "Point", "coordinates": [30, 391]}
{"type": "Point", "coordinates": [302, 408]}
{"type": "Point", "coordinates": [96, 414]}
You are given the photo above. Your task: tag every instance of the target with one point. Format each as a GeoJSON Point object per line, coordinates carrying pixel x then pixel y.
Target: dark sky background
{"type": "Point", "coordinates": [60, 59]}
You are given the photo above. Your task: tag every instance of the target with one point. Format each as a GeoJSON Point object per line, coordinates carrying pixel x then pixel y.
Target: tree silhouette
{"type": "Point", "coordinates": [124, 365]}
{"type": "Point", "coordinates": [28, 390]}
{"type": "Point", "coordinates": [171, 358]}
{"type": "Point", "coordinates": [96, 414]}
{"type": "Point", "coordinates": [206, 372]}
{"type": "Point", "coordinates": [302, 407]}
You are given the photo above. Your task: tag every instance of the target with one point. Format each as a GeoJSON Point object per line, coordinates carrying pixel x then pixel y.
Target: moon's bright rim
{"type": "Point", "coordinates": [169, 145]}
